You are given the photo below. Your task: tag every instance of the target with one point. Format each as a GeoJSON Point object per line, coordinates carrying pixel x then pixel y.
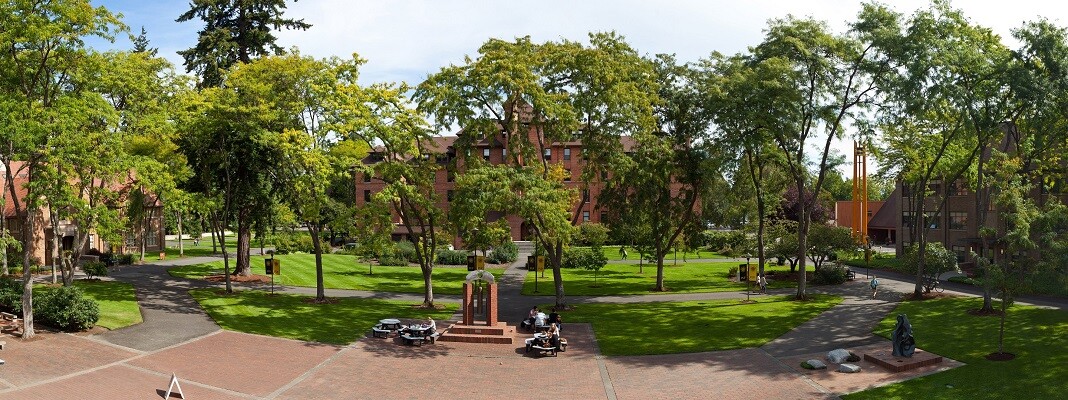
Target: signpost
{"type": "Point", "coordinates": [272, 268]}
{"type": "Point", "coordinates": [539, 268]}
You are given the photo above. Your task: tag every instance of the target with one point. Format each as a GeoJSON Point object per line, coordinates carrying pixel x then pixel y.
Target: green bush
{"type": "Point", "coordinates": [732, 272]}
{"type": "Point", "coordinates": [965, 280]}
{"type": "Point", "coordinates": [505, 253]}
{"type": "Point", "coordinates": [11, 295]}
{"type": "Point", "coordinates": [295, 243]}
{"type": "Point", "coordinates": [830, 275]}
{"type": "Point", "coordinates": [451, 257]}
{"type": "Point", "coordinates": [583, 258]}
{"type": "Point", "coordinates": [392, 261]}
{"type": "Point", "coordinates": [94, 269]}
{"type": "Point", "coordinates": [66, 308]}
{"type": "Point", "coordinates": [406, 250]}
{"type": "Point", "coordinates": [724, 241]}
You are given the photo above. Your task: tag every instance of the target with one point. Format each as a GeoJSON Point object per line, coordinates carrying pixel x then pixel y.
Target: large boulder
{"type": "Point", "coordinates": [816, 364]}
{"type": "Point", "coordinates": [849, 368]}
{"type": "Point", "coordinates": [838, 356]}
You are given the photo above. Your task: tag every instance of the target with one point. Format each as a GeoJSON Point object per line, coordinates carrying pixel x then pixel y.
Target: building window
{"type": "Point", "coordinates": [932, 220]}
{"type": "Point", "coordinates": [957, 189]}
{"type": "Point", "coordinates": [604, 216]}
{"type": "Point", "coordinates": [907, 218]}
{"type": "Point", "coordinates": [450, 176]}
{"type": "Point", "coordinates": [585, 216]}
{"type": "Point", "coordinates": [448, 196]}
{"type": "Point", "coordinates": [548, 155]}
{"type": "Point", "coordinates": [958, 220]}
{"type": "Point", "coordinates": [485, 154]}
{"type": "Point", "coordinates": [960, 251]}
{"type": "Point", "coordinates": [504, 154]}
{"type": "Point", "coordinates": [869, 213]}
{"type": "Point", "coordinates": [151, 238]}
{"type": "Point", "coordinates": [567, 175]}
{"type": "Point", "coordinates": [367, 196]}
{"type": "Point", "coordinates": [567, 153]}
{"type": "Point", "coordinates": [366, 176]}
{"type": "Point", "coordinates": [586, 196]}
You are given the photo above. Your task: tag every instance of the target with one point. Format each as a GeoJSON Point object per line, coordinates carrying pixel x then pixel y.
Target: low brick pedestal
{"type": "Point", "coordinates": [888, 360]}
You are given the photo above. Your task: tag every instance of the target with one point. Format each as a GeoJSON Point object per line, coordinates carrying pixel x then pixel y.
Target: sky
{"type": "Point", "coordinates": [406, 40]}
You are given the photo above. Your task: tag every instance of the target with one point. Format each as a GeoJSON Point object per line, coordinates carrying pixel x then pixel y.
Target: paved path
{"type": "Point", "coordinates": [171, 316]}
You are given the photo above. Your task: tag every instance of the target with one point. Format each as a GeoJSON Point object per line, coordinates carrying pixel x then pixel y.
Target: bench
{"type": "Point", "coordinates": [413, 340]}
{"type": "Point", "coordinates": [530, 345]}
{"type": "Point", "coordinates": [378, 331]}
{"type": "Point", "coordinates": [851, 274]}
{"type": "Point", "coordinates": [10, 322]}
{"type": "Point", "coordinates": [542, 349]}
{"type": "Point", "coordinates": [433, 337]}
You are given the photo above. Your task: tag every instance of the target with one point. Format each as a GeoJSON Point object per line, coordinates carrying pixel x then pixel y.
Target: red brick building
{"type": "Point", "coordinates": [493, 150]}
{"type": "Point", "coordinates": [41, 244]}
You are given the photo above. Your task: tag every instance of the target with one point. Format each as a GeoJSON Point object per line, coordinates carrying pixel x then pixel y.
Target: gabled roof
{"type": "Point", "coordinates": [887, 217]}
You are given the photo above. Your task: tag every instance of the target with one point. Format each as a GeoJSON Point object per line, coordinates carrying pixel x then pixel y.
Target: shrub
{"type": "Point", "coordinates": [124, 259]}
{"type": "Point", "coordinates": [393, 261]}
{"type": "Point", "coordinates": [11, 295]}
{"type": "Point", "coordinates": [733, 272]}
{"type": "Point", "coordinates": [583, 258]}
{"type": "Point", "coordinates": [451, 257]}
{"type": "Point", "coordinates": [720, 241]}
{"type": "Point", "coordinates": [66, 308]}
{"type": "Point", "coordinates": [294, 243]}
{"type": "Point", "coordinates": [833, 275]}
{"type": "Point", "coordinates": [406, 250]}
{"type": "Point", "coordinates": [94, 269]}
{"type": "Point", "coordinates": [505, 253]}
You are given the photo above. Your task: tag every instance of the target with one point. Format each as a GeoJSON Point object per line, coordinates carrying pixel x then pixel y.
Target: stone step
{"type": "Point", "coordinates": [480, 330]}
{"type": "Point", "coordinates": [467, 338]}
{"type": "Point", "coordinates": [525, 246]}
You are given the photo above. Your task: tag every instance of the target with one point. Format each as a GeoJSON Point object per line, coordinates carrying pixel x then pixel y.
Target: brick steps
{"type": "Point", "coordinates": [467, 338]}
{"type": "Point", "coordinates": [501, 333]}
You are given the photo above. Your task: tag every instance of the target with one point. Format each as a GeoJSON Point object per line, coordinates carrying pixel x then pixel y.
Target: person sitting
{"type": "Point", "coordinates": [433, 327]}
{"type": "Point", "coordinates": [554, 336]}
{"type": "Point", "coordinates": [540, 321]}
{"type": "Point", "coordinates": [554, 318]}
{"type": "Point", "coordinates": [529, 322]}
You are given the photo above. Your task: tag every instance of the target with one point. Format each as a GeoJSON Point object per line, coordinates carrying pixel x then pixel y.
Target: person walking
{"type": "Point", "coordinates": [763, 281]}
{"type": "Point", "coordinates": [623, 252]}
{"type": "Point", "coordinates": [874, 286]}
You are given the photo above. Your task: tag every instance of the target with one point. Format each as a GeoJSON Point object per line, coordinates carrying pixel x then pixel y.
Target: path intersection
{"type": "Point", "coordinates": [178, 338]}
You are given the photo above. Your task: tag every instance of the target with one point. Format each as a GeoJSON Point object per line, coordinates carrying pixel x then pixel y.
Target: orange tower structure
{"type": "Point", "coordinates": [860, 193]}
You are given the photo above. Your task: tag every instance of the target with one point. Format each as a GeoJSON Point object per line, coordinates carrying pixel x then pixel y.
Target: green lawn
{"type": "Point", "coordinates": [612, 254]}
{"type": "Point", "coordinates": [693, 326]}
{"type": "Point", "coordinates": [293, 317]}
{"type": "Point", "coordinates": [620, 279]}
{"type": "Point", "coordinates": [1037, 337]}
{"type": "Point", "coordinates": [344, 272]}
{"type": "Point", "coordinates": [117, 302]}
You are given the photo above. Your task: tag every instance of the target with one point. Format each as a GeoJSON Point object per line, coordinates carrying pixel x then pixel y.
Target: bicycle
{"type": "Point", "coordinates": [934, 284]}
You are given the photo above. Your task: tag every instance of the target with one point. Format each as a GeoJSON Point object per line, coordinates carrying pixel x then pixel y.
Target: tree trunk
{"type": "Point", "coordinates": [1001, 330]}
{"type": "Point", "coordinates": [557, 254]}
{"type": "Point", "coordinates": [428, 286]}
{"type": "Point", "coordinates": [320, 288]}
{"type": "Point", "coordinates": [144, 232]}
{"type": "Point", "coordinates": [181, 249]}
{"type": "Point", "coordinates": [54, 217]}
{"type": "Point", "coordinates": [244, 238]}
{"type": "Point", "coordinates": [660, 255]}
{"type": "Point", "coordinates": [27, 277]}
{"type": "Point", "coordinates": [214, 243]}
{"type": "Point", "coordinates": [218, 226]}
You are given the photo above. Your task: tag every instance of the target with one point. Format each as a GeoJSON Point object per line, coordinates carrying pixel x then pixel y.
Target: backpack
{"type": "Point", "coordinates": [874, 283]}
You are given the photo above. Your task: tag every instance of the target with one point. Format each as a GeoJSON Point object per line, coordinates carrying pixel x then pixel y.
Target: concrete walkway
{"type": "Point", "coordinates": [171, 316]}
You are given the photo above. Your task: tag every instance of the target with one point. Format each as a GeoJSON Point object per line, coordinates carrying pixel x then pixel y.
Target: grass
{"type": "Point", "coordinates": [344, 272]}
{"type": "Point", "coordinates": [611, 252]}
{"type": "Point", "coordinates": [1037, 337]}
{"type": "Point", "coordinates": [117, 302]}
{"type": "Point", "coordinates": [293, 317]}
{"type": "Point", "coordinates": [622, 279]}
{"type": "Point", "coordinates": [693, 326]}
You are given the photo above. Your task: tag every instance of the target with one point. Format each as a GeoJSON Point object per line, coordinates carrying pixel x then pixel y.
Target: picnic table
{"type": "Point", "coordinates": [540, 342]}
{"type": "Point", "coordinates": [418, 334]}
{"type": "Point", "coordinates": [385, 327]}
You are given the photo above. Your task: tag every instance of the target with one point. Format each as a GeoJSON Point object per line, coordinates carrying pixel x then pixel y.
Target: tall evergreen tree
{"type": "Point", "coordinates": [141, 44]}
{"type": "Point", "coordinates": [234, 31]}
